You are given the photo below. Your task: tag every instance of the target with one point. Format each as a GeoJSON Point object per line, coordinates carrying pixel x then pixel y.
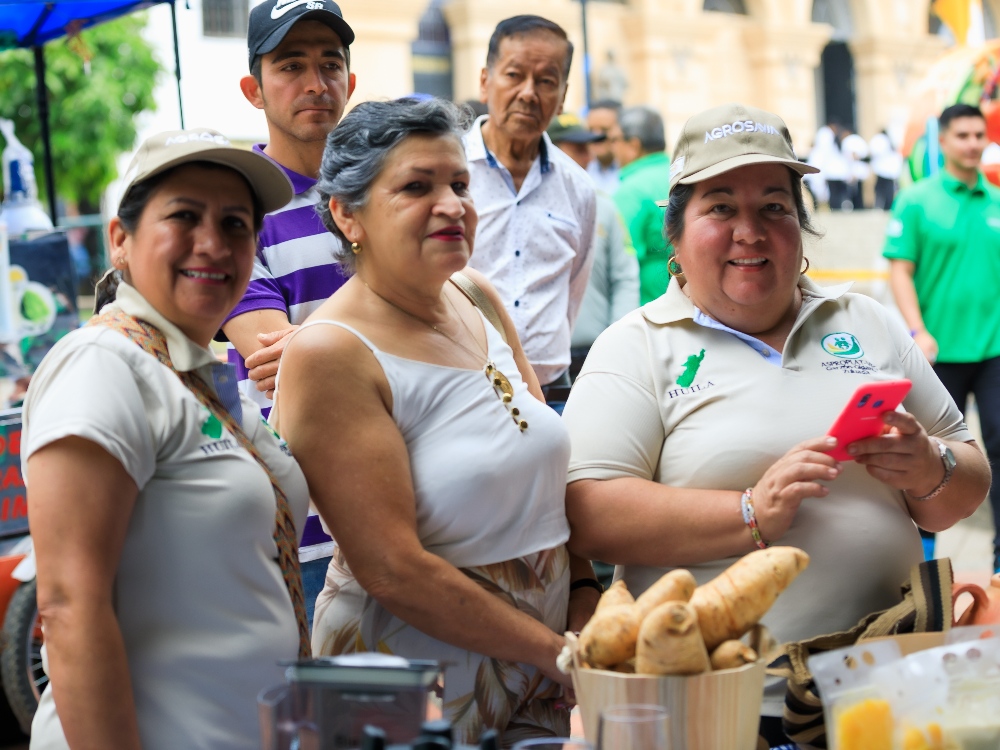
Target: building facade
{"type": "Point", "coordinates": [856, 61]}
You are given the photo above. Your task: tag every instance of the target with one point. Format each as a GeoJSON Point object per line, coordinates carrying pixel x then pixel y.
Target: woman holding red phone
{"type": "Point", "coordinates": [699, 422]}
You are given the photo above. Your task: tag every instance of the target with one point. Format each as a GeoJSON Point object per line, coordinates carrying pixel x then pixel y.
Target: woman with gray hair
{"type": "Point", "coordinates": [444, 481]}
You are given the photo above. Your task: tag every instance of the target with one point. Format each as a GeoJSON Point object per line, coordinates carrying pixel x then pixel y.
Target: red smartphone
{"type": "Point", "coordinates": [862, 416]}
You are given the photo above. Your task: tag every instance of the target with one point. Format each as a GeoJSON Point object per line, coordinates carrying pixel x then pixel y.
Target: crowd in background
{"type": "Point", "coordinates": [847, 163]}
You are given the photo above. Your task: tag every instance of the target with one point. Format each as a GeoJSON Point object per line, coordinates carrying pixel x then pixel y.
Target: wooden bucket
{"type": "Point", "coordinates": [713, 711]}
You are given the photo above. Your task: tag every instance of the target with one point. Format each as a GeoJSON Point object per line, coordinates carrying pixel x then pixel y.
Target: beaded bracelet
{"type": "Point", "coordinates": [750, 518]}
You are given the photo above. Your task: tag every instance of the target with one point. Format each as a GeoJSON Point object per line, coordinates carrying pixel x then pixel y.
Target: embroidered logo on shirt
{"type": "Point", "coordinates": [281, 443]}
{"type": "Point", "coordinates": [211, 427]}
{"type": "Point", "coordinates": [691, 366]}
{"type": "Point", "coordinates": [850, 366]}
{"type": "Point", "coordinates": [843, 345]}
{"type": "Point", "coordinates": [677, 392]}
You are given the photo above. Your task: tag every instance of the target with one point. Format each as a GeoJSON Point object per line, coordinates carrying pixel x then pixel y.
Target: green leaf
{"type": "Point", "coordinates": [91, 117]}
{"type": "Point", "coordinates": [33, 306]}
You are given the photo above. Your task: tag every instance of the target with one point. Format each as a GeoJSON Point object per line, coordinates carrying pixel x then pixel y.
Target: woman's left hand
{"type": "Point", "coordinates": [904, 457]}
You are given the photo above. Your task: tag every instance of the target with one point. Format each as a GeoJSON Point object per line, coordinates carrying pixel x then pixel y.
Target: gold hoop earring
{"type": "Point", "coordinates": [355, 248]}
{"type": "Point", "coordinates": [673, 267]}
{"type": "Point", "coordinates": [804, 270]}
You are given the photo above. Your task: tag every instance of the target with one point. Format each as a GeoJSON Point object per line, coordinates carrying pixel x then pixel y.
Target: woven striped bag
{"type": "Point", "coordinates": [926, 607]}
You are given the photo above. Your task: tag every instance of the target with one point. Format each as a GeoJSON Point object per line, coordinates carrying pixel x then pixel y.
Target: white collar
{"type": "Point", "coordinates": [185, 354]}
{"type": "Point", "coordinates": [674, 305]}
{"type": "Point", "coordinates": [477, 150]}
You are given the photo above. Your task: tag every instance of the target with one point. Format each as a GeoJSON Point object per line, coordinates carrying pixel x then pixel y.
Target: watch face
{"type": "Point", "coordinates": [948, 457]}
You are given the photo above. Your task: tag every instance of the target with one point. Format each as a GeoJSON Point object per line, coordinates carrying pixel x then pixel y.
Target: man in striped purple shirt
{"type": "Point", "coordinates": [299, 76]}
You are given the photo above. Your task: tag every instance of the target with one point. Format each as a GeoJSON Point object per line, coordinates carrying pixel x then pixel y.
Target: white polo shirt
{"type": "Point", "coordinates": [535, 245]}
{"type": "Point", "coordinates": [203, 610]}
{"type": "Point", "coordinates": [737, 413]}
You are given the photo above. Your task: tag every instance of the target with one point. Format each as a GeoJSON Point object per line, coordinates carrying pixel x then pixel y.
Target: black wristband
{"type": "Point", "coordinates": [586, 583]}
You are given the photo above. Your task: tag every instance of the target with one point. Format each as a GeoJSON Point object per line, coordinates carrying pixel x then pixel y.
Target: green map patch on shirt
{"type": "Point", "coordinates": [212, 426]}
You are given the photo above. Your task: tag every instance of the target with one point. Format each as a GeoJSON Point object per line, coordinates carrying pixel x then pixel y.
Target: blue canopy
{"type": "Point", "coordinates": [31, 23]}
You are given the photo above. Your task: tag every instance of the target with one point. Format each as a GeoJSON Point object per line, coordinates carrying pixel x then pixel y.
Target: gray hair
{"type": "Point", "coordinates": [357, 148]}
{"type": "Point", "coordinates": [646, 125]}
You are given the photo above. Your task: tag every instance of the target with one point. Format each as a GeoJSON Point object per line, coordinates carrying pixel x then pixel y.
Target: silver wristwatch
{"type": "Point", "coordinates": [949, 462]}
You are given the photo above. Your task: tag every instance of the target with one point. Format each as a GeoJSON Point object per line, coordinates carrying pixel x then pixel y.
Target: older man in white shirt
{"type": "Point", "coordinates": [537, 208]}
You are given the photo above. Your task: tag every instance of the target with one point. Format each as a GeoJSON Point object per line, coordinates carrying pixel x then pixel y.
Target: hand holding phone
{"type": "Point", "coordinates": [862, 416]}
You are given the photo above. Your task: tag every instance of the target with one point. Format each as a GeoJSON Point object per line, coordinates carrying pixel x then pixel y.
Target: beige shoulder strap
{"type": "Point", "coordinates": [478, 298]}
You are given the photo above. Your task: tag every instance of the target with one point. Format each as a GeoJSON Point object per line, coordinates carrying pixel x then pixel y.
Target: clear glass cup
{"type": "Point", "coordinates": [553, 743]}
{"type": "Point", "coordinates": [634, 727]}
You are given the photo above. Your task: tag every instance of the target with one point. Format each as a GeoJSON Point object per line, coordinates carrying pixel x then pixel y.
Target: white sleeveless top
{"type": "Point", "coordinates": [486, 492]}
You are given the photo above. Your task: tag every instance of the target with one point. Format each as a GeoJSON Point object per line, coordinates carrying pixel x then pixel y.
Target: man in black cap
{"type": "Point", "coordinates": [299, 56]}
{"type": "Point", "coordinates": [299, 60]}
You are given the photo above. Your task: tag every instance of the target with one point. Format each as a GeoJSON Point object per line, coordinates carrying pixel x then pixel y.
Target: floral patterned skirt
{"type": "Point", "coordinates": [479, 692]}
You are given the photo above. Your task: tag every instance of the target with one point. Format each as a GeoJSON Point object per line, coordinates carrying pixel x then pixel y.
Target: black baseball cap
{"type": "Point", "coordinates": [567, 128]}
{"type": "Point", "coordinates": [271, 21]}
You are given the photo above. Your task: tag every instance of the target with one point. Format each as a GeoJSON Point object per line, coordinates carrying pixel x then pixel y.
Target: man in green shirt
{"type": "Point", "coordinates": [943, 245]}
{"type": "Point", "coordinates": [645, 179]}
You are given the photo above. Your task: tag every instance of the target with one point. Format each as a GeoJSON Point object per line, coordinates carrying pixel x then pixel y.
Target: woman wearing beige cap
{"type": "Point", "coordinates": [163, 510]}
{"type": "Point", "coordinates": [698, 421]}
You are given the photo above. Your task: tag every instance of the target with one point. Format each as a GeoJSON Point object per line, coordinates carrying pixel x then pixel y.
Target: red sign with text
{"type": "Point", "coordinates": [13, 498]}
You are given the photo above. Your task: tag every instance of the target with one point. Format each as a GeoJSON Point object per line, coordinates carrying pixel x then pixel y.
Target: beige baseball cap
{"type": "Point", "coordinates": [175, 147]}
{"type": "Point", "coordinates": [727, 137]}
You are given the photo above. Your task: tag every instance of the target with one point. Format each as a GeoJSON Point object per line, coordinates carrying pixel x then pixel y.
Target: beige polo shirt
{"type": "Point", "coordinates": [733, 414]}
{"type": "Point", "coordinates": [200, 600]}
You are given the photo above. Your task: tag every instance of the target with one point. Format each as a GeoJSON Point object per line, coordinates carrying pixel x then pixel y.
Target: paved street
{"type": "Point", "coordinates": [851, 250]}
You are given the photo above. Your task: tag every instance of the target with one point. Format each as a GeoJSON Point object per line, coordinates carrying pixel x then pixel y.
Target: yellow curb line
{"type": "Point", "coordinates": [847, 274]}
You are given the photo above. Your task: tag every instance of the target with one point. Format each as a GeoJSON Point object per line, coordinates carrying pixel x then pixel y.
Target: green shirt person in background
{"type": "Point", "coordinates": [613, 288]}
{"type": "Point", "coordinates": [943, 246]}
{"type": "Point", "coordinates": [645, 179]}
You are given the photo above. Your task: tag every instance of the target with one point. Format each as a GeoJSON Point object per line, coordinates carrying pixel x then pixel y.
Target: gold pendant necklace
{"type": "Point", "coordinates": [497, 379]}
